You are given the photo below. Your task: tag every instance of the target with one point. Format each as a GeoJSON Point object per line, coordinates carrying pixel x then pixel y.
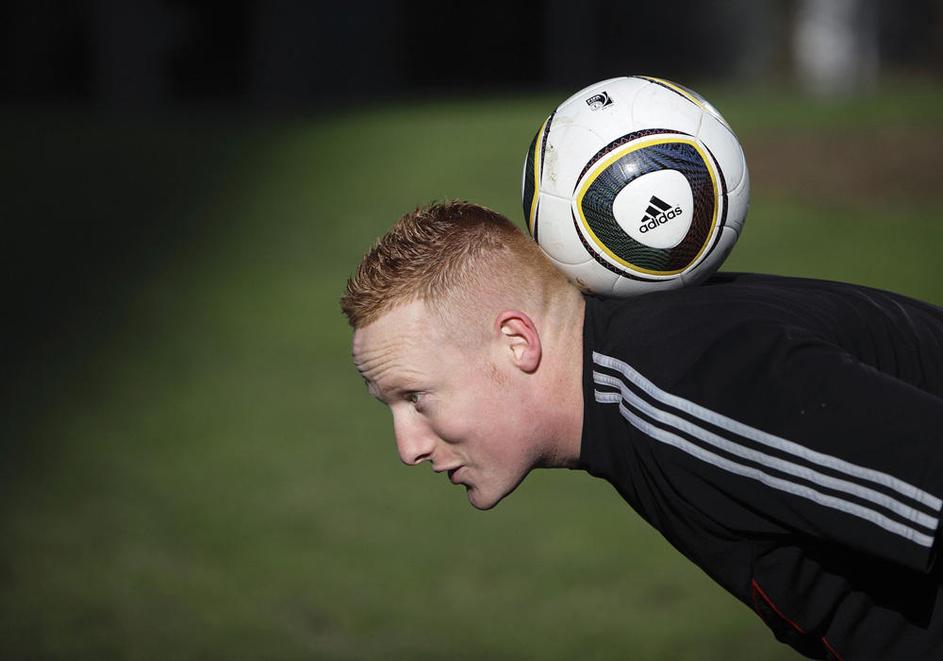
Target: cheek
{"type": "Point", "coordinates": [474, 418]}
{"type": "Point", "coordinates": [450, 421]}
{"type": "Point", "coordinates": [482, 409]}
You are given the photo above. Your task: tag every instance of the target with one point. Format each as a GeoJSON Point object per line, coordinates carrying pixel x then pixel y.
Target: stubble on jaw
{"type": "Point", "coordinates": [495, 374]}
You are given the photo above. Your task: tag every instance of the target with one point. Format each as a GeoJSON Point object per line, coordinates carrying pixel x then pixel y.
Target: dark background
{"type": "Point", "coordinates": [289, 54]}
{"type": "Point", "coordinates": [122, 122]}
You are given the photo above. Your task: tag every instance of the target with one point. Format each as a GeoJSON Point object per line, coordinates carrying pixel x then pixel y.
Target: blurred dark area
{"type": "Point", "coordinates": [149, 55]}
{"type": "Point", "coordinates": [71, 71]}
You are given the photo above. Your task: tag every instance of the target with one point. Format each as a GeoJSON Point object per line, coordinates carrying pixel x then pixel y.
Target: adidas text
{"type": "Point", "coordinates": [660, 219]}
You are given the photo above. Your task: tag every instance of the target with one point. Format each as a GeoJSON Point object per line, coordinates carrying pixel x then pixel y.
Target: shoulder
{"type": "Point", "coordinates": [669, 331]}
{"type": "Point", "coordinates": [738, 305]}
{"type": "Point", "coordinates": [725, 296]}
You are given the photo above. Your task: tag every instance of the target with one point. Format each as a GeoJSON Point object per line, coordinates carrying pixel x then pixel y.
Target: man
{"type": "Point", "coordinates": [783, 434]}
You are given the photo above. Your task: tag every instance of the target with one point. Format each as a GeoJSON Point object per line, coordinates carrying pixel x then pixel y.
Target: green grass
{"type": "Point", "coordinates": [208, 479]}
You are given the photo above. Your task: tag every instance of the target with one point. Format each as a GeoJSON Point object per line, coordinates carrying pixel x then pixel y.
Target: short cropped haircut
{"type": "Point", "coordinates": [446, 253]}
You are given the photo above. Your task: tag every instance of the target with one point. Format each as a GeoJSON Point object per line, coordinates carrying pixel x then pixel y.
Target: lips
{"type": "Point", "coordinates": [452, 473]}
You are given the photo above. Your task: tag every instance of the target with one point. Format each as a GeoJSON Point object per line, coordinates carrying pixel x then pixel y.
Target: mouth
{"type": "Point", "coordinates": [452, 473]}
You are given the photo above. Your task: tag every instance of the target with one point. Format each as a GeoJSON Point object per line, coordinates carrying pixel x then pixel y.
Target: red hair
{"type": "Point", "coordinates": [449, 250]}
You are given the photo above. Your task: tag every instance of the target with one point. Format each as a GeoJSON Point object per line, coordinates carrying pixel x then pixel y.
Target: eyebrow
{"type": "Point", "coordinates": [396, 390]}
{"type": "Point", "coordinates": [375, 393]}
{"type": "Point", "coordinates": [371, 388]}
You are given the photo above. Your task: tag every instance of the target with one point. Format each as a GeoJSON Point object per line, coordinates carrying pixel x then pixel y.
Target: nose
{"type": "Point", "coordinates": [414, 441]}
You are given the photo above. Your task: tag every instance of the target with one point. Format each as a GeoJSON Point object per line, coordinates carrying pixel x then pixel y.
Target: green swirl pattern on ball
{"type": "Point", "coordinates": [597, 201]}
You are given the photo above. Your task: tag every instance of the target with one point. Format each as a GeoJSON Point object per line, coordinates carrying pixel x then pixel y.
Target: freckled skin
{"type": "Point", "coordinates": [481, 407]}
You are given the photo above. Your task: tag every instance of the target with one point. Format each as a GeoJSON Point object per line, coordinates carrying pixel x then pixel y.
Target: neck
{"type": "Point", "coordinates": [564, 408]}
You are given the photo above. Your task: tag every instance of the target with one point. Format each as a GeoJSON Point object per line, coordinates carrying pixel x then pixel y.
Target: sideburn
{"type": "Point", "coordinates": [495, 374]}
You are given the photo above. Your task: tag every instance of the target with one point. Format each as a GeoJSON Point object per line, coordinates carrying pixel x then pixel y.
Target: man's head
{"type": "Point", "coordinates": [472, 338]}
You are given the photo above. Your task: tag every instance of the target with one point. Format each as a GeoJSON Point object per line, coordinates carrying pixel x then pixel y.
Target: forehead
{"type": "Point", "coordinates": [401, 322]}
{"type": "Point", "coordinates": [401, 343]}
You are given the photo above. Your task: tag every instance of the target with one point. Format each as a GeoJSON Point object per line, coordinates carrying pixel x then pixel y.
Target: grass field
{"type": "Point", "coordinates": [192, 469]}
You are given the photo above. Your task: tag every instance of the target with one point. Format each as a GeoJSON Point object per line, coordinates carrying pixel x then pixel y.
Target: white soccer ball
{"type": "Point", "coordinates": [635, 184]}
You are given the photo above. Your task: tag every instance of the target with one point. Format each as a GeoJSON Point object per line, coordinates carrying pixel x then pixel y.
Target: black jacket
{"type": "Point", "coordinates": [786, 435]}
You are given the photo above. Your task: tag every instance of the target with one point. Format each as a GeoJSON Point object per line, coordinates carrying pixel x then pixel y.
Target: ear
{"type": "Point", "coordinates": [520, 339]}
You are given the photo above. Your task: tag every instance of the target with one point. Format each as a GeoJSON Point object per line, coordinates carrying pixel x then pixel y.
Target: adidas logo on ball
{"type": "Point", "coordinates": [658, 213]}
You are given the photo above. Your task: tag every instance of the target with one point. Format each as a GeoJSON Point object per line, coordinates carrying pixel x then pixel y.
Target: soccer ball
{"type": "Point", "coordinates": [635, 184]}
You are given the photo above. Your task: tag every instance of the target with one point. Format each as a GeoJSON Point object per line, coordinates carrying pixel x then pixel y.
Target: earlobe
{"type": "Point", "coordinates": [520, 339]}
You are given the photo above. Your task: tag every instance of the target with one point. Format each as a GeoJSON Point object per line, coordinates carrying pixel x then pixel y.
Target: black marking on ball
{"type": "Point", "coordinates": [543, 145]}
{"type": "Point", "coordinates": [530, 190]}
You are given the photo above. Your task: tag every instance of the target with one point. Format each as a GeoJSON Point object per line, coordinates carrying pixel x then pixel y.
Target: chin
{"type": "Point", "coordinates": [482, 500]}
{"type": "Point", "coordinates": [480, 503]}
{"type": "Point", "coordinates": [491, 495]}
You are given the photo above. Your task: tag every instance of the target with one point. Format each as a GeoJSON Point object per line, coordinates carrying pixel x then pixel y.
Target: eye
{"type": "Point", "coordinates": [413, 397]}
